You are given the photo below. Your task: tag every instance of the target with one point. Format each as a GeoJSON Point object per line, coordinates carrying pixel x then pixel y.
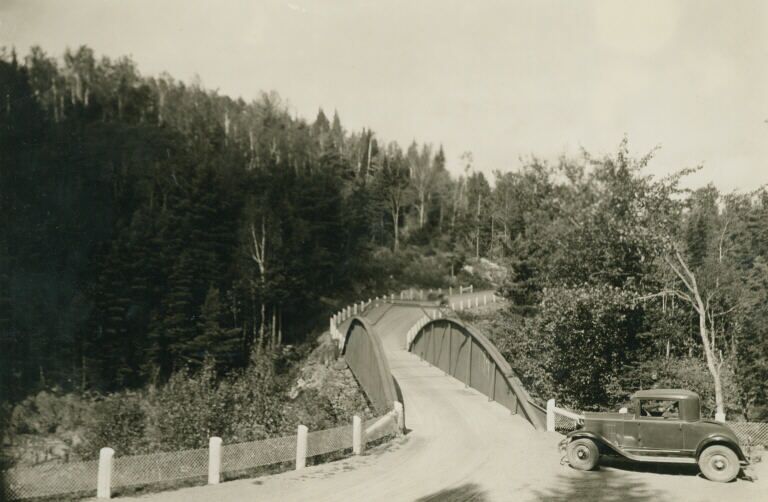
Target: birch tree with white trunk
{"type": "Point", "coordinates": [690, 291]}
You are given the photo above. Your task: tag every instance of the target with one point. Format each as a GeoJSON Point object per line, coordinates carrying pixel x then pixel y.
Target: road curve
{"type": "Point", "coordinates": [462, 447]}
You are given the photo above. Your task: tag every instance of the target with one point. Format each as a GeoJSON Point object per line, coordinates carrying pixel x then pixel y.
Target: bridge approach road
{"type": "Point", "coordinates": [461, 447]}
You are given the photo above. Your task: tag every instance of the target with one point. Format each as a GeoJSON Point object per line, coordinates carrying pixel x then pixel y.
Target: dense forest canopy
{"type": "Point", "coordinates": [149, 224]}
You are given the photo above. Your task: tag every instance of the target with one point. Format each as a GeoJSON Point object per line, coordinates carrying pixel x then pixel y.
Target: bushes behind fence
{"type": "Point", "coordinates": [253, 404]}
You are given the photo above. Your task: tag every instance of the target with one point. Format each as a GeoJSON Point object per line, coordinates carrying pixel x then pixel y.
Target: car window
{"type": "Point", "coordinates": [658, 408]}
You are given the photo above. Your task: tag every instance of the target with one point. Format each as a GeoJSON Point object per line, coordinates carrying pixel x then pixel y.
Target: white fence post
{"type": "Point", "coordinates": [450, 290]}
{"type": "Point", "coordinates": [301, 447]}
{"type": "Point", "coordinates": [214, 460]}
{"type": "Point", "coordinates": [104, 480]}
{"type": "Point", "coordinates": [720, 417]}
{"type": "Point", "coordinates": [357, 435]}
{"type": "Point", "coordinates": [400, 416]}
{"type": "Point", "coordinates": [551, 415]}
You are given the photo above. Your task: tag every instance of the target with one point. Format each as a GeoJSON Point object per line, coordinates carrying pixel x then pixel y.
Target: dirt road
{"type": "Point", "coordinates": [460, 447]}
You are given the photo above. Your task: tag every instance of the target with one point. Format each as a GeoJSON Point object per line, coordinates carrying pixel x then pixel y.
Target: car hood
{"type": "Point", "coordinates": [598, 415]}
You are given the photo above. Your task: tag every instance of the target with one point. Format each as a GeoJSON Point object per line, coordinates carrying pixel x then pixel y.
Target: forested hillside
{"type": "Point", "coordinates": [150, 224]}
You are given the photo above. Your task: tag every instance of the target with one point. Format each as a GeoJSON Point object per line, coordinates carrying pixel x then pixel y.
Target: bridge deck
{"type": "Point", "coordinates": [461, 447]}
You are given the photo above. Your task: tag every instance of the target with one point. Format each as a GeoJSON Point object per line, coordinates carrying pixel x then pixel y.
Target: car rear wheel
{"type": "Point", "coordinates": [719, 463]}
{"type": "Point", "coordinates": [583, 454]}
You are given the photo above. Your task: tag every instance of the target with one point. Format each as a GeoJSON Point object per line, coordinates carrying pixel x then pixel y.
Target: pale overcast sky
{"type": "Point", "coordinates": [502, 79]}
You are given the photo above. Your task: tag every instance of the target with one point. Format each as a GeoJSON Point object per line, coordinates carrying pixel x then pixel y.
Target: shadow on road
{"type": "Point", "coordinates": [664, 469]}
{"type": "Point", "coordinates": [599, 486]}
{"type": "Point", "coordinates": [668, 469]}
{"type": "Point", "coordinates": [469, 492]}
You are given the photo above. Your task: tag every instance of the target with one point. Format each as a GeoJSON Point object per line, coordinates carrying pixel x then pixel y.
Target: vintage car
{"type": "Point", "coordinates": [659, 425]}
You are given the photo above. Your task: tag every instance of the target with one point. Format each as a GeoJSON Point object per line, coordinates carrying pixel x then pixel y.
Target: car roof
{"type": "Point", "coordinates": [665, 393]}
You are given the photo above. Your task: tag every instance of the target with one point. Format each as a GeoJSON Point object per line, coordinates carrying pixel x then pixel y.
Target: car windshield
{"type": "Point", "coordinates": [659, 408]}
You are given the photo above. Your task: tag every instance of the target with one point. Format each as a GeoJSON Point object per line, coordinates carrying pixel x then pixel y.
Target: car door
{"type": "Point", "coordinates": [660, 430]}
{"type": "Point", "coordinates": [630, 431]}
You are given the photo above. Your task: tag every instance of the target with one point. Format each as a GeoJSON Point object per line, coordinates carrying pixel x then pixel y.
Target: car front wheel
{"type": "Point", "coordinates": [583, 454]}
{"type": "Point", "coordinates": [719, 463]}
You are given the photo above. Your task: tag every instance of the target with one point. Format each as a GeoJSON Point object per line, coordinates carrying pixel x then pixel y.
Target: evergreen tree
{"type": "Point", "coordinates": [214, 337]}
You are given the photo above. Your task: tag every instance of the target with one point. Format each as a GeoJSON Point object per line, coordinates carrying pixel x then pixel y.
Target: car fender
{"type": "Point", "coordinates": [597, 438]}
{"type": "Point", "coordinates": [723, 440]}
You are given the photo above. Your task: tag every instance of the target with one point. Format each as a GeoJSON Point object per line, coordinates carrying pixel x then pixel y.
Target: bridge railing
{"type": "Point", "coordinates": [364, 354]}
{"type": "Point", "coordinates": [407, 295]}
{"type": "Point", "coordinates": [476, 302]}
{"type": "Point", "coordinates": [466, 354]}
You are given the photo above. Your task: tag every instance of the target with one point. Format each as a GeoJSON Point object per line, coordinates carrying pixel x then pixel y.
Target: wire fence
{"type": "Point", "coordinates": [243, 456]}
{"type": "Point", "coordinates": [143, 470]}
{"type": "Point", "coordinates": [329, 440]}
{"type": "Point", "coordinates": [79, 479]}
{"type": "Point", "coordinates": [48, 480]}
{"type": "Point", "coordinates": [751, 433]}
{"type": "Point", "coordinates": [565, 423]}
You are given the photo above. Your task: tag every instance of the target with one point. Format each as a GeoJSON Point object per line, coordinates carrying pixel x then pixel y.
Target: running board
{"type": "Point", "coordinates": [666, 460]}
